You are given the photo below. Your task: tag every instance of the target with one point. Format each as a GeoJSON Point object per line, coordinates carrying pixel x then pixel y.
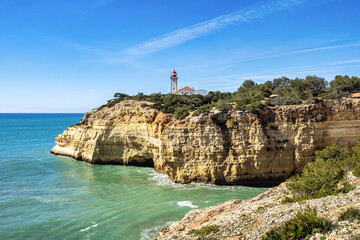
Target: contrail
{"type": "Point", "coordinates": [186, 34]}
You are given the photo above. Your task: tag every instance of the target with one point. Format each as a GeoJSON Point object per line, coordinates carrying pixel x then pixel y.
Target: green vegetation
{"type": "Point", "coordinates": [345, 84]}
{"type": "Point", "coordinates": [355, 237]}
{"type": "Point", "coordinates": [356, 171]}
{"type": "Point", "coordinates": [205, 231]}
{"type": "Point", "coordinates": [250, 96]}
{"type": "Point", "coordinates": [320, 178]}
{"type": "Point", "coordinates": [326, 175]}
{"type": "Point", "coordinates": [351, 214]}
{"type": "Point", "coordinates": [355, 159]}
{"type": "Point", "coordinates": [304, 224]}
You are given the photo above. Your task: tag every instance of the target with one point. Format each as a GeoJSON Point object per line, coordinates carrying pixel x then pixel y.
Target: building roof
{"type": "Point", "coordinates": [186, 89]}
{"type": "Point", "coordinates": [355, 95]}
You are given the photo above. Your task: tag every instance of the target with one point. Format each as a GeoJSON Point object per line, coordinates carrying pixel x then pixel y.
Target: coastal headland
{"type": "Point", "coordinates": [237, 147]}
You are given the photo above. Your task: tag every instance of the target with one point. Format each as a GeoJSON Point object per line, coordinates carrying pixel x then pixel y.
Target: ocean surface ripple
{"type": "Point", "coordinates": [43, 196]}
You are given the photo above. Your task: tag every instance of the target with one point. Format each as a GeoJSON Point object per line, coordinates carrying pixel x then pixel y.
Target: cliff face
{"type": "Point", "coordinates": [233, 148]}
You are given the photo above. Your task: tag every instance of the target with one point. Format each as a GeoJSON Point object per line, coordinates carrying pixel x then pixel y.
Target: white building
{"type": "Point", "coordinates": [185, 90]}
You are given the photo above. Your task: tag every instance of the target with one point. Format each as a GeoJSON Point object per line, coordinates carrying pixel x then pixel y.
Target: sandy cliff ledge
{"type": "Point", "coordinates": [233, 148]}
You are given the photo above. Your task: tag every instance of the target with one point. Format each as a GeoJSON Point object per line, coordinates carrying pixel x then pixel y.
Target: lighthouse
{"type": "Point", "coordinates": [174, 79]}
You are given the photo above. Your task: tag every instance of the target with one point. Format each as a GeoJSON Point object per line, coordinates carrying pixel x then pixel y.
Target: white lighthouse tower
{"type": "Point", "coordinates": [174, 79]}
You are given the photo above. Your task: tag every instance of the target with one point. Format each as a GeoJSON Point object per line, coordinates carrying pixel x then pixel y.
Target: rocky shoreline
{"type": "Point", "coordinates": [252, 218]}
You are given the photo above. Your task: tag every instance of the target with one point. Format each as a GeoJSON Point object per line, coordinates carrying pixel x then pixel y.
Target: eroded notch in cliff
{"type": "Point", "coordinates": [140, 161]}
{"type": "Point", "coordinates": [224, 132]}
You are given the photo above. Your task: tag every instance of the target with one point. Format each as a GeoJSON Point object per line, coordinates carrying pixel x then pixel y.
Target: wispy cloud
{"type": "Point", "coordinates": [186, 34]}
{"type": "Point", "coordinates": [236, 59]}
{"type": "Point", "coordinates": [353, 44]}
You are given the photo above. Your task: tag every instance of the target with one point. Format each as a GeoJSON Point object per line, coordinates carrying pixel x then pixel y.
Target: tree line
{"type": "Point", "coordinates": [250, 96]}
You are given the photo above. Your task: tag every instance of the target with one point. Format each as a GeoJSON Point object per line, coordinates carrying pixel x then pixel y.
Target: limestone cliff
{"type": "Point", "coordinates": [233, 148]}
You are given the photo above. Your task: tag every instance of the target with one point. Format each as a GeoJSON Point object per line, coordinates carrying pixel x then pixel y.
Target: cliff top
{"type": "Point", "coordinates": [122, 111]}
{"type": "Point", "coordinates": [250, 96]}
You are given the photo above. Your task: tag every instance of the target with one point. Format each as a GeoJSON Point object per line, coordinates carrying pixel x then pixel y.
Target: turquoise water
{"type": "Point", "coordinates": [43, 196]}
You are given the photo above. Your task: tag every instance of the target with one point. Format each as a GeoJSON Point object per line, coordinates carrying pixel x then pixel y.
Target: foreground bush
{"type": "Point", "coordinates": [304, 224]}
{"type": "Point", "coordinates": [351, 214]}
{"type": "Point", "coordinates": [326, 175]}
{"type": "Point", "coordinates": [322, 177]}
{"type": "Point", "coordinates": [356, 171]}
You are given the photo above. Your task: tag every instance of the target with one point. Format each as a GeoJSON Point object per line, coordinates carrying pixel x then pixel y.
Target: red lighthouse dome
{"type": "Point", "coordinates": [174, 74]}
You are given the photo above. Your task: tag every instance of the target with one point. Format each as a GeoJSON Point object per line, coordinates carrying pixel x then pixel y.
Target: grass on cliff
{"type": "Point", "coordinates": [203, 232]}
{"type": "Point", "coordinates": [351, 214]}
{"type": "Point", "coordinates": [250, 96]}
{"type": "Point", "coordinates": [303, 225]}
{"type": "Point", "coordinates": [326, 175]}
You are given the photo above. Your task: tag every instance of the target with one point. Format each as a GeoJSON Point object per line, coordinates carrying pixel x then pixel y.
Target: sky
{"type": "Point", "coordinates": [72, 56]}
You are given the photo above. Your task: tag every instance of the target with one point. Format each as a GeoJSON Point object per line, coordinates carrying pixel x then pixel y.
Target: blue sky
{"type": "Point", "coordinates": [72, 56]}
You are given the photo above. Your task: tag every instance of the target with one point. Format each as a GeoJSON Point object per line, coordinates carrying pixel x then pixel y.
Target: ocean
{"type": "Point", "coordinates": [43, 196]}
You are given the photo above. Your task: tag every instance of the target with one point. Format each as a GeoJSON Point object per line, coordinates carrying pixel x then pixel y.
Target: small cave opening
{"type": "Point", "coordinates": [141, 162]}
{"type": "Point", "coordinates": [133, 161]}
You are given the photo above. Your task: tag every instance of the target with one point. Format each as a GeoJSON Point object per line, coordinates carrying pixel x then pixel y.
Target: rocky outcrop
{"type": "Point", "coordinates": [233, 148]}
{"type": "Point", "coordinates": [253, 218]}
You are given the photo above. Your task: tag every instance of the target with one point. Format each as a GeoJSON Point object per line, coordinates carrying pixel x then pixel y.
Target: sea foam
{"type": "Point", "coordinates": [153, 232]}
{"type": "Point", "coordinates": [187, 204]}
{"type": "Point", "coordinates": [89, 227]}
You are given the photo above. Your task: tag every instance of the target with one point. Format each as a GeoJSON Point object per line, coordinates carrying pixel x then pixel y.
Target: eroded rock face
{"type": "Point", "coordinates": [233, 148]}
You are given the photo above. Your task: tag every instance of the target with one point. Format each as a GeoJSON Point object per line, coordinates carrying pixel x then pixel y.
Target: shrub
{"type": "Point", "coordinates": [304, 224]}
{"type": "Point", "coordinates": [181, 113]}
{"type": "Point", "coordinates": [355, 237]}
{"type": "Point", "coordinates": [318, 179]}
{"type": "Point", "coordinates": [285, 101]}
{"type": "Point", "coordinates": [205, 231]}
{"type": "Point", "coordinates": [335, 95]}
{"type": "Point", "coordinates": [333, 152]}
{"type": "Point", "coordinates": [356, 171]}
{"type": "Point", "coordinates": [322, 177]}
{"type": "Point", "coordinates": [120, 96]}
{"type": "Point", "coordinates": [255, 106]}
{"type": "Point", "coordinates": [351, 214]}
{"type": "Point", "coordinates": [354, 161]}
{"type": "Point", "coordinates": [222, 106]}
{"type": "Point", "coordinates": [112, 103]}
{"type": "Point", "coordinates": [205, 109]}
{"type": "Point", "coordinates": [288, 199]}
